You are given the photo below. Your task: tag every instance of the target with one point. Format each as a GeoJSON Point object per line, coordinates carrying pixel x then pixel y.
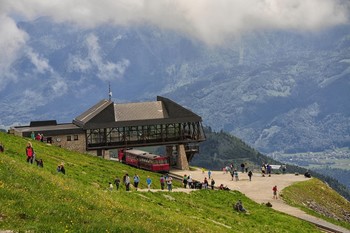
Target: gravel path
{"type": "Point", "coordinates": [260, 190]}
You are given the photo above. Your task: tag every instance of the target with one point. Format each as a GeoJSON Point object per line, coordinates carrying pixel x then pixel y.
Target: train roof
{"type": "Point", "coordinates": [144, 154]}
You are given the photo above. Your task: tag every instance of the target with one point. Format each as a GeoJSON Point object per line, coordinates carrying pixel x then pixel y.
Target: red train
{"type": "Point", "coordinates": [144, 160]}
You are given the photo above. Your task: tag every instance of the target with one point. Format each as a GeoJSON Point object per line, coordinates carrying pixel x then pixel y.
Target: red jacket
{"type": "Point", "coordinates": [29, 151]}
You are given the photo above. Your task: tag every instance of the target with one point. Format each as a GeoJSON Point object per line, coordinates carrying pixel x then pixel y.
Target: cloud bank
{"type": "Point", "coordinates": [210, 21]}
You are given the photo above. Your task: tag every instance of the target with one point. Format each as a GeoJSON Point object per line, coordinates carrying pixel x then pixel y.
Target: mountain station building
{"type": "Point", "coordinates": [108, 125]}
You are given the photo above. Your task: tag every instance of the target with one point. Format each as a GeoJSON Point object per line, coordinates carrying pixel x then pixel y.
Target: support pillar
{"type": "Point", "coordinates": [177, 156]}
{"type": "Point", "coordinates": [181, 162]}
{"type": "Point", "coordinates": [106, 155]}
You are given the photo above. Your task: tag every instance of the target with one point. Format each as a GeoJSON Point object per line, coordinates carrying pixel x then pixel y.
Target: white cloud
{"type": "Point", "coordinates": [210, 21]}
{"type": "Point", "coordinates": [12, 40]}
{"type": "Point", "coordinates": [39, 62]}
{"type": "Point", "coordinates": [58, 85]}
{"type": "Point", "coordinates": [79, 64]}
{"type": "Point", "coordinates": [30, 99]}
{"type": "Point", "coordinates": [105, 70]}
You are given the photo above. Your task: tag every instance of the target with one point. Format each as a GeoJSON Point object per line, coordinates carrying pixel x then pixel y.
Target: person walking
{"type": "Point", "coordinates": [250, 174]}
{"type": "Point", "coordinates": [189, 181]}
{"type": "Point", "coordinates": [274, 190]}
{"type": "Point", "coordinates": [149, 182]}
{"type": "Point", "coordinates": [169, 182]}
{"type": "Point", "coordinates": [184, 180]}
{"type": "Point", "coordinates": [268, 169]}
{"type": "Point", "coordinates": [127, 182]}
{"type": "Point", "coordinates": [209, 174]}
{"type": "Point", "coordinates": [232, 173]}
{"type": "Point", "coordinates": [136, 181]}
{"type": "Point", "coordinates": [162, 182]}
{"type": "Point", "coordinates": [236, 175]}
{"type": "Point", "coordinates": [263, 170]}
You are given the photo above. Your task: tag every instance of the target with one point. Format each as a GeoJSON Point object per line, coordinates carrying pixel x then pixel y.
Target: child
{"type": "Point", "coordinates": [274, 189]}
{"type": "Point", "coordinates": [236, 175]}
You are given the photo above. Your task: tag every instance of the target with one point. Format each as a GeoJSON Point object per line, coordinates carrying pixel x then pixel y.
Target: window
{"type": "Point", "coordinates": [69, 138]}
{"type": "Point", "coordinates": [76, 137]}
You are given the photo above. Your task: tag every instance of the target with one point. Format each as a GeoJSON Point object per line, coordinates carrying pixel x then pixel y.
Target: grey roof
{"type": "Point", "coordinates": [50, 130]}
{"type": "Point", "coordinates": [93, 111]}
{"type": "Point", "coordinates": [140, 111]}
{"type": "Point", "coordinates": [108, 114]}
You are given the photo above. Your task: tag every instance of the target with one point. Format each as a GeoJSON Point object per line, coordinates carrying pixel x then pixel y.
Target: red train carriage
{"type": "Point", "coordinates": [145, 160]}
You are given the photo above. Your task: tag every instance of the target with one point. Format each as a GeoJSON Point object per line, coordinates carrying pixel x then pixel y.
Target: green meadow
{"type": "Point", "coordinates": [34, 199]}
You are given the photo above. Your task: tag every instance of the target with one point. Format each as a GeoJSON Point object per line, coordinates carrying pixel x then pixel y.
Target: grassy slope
{"type": "Point", "coordinates": [327, 200]}
{"type": "Point", "coordinates": [42, 200]}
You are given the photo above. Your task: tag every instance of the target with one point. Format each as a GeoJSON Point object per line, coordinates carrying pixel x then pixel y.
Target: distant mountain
{"type": "Point", "coordinates": [278, 91]}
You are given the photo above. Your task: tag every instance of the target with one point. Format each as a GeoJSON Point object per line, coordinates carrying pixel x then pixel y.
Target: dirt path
{"type": "Point", "coordinates": [260, 190]}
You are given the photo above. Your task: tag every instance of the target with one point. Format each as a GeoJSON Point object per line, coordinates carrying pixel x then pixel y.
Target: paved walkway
{"type": "Point", "coordinates": [260, 190]}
